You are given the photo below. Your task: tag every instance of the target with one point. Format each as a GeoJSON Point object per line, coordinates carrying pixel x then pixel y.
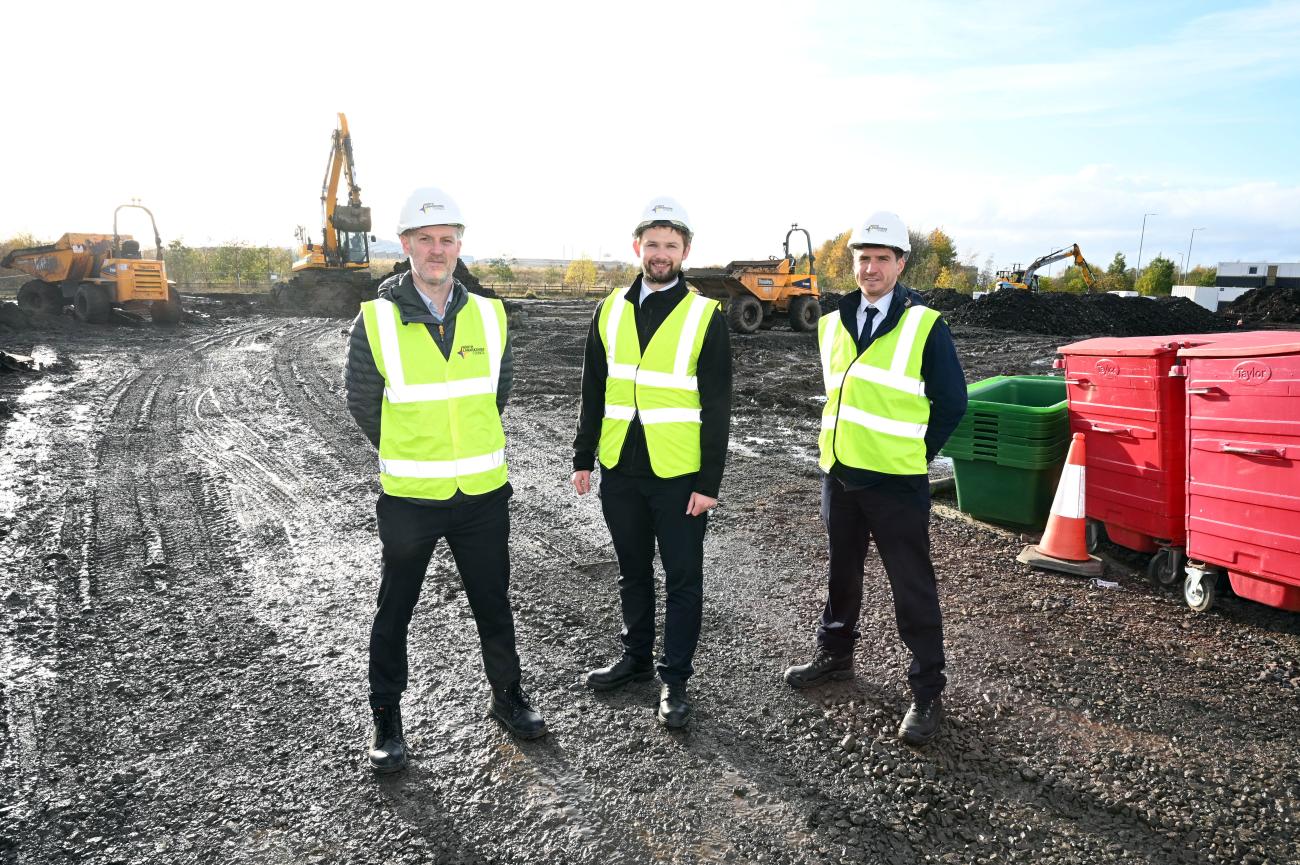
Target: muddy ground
{"type": "Point", "coordinates": [188, 564]}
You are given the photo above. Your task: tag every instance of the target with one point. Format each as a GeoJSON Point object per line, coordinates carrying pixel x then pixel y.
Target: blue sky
{"type": "Point", "coordinates": [1018, 128]}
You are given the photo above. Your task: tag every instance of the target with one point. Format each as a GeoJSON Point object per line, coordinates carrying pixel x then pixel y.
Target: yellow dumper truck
{"type": "Point", "coordinates": [95, 273]}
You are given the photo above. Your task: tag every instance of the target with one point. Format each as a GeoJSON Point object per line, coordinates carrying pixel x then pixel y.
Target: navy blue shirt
{"type": "Point", "coordinates": [945, 388]}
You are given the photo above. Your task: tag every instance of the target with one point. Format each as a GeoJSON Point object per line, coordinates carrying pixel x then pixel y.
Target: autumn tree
{"type": "Point", "coordinates": [1201, 275]}
{"type": "Point", "coordinates": [581, 273]}
{"type": "Point", "coordinates": [1157, 278]}
{"type": "Point", "coordinates": [835, 265]}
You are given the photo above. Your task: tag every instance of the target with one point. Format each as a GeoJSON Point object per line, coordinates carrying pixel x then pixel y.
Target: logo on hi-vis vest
{"type": "Point", "coordinates": [470, 349]}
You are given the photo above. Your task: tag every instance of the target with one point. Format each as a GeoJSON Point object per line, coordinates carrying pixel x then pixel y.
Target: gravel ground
{"type": "Point", "coordinates": [188, 565]}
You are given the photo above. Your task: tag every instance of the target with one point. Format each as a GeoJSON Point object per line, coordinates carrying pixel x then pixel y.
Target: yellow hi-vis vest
{"type": "Point", "coordinates": [659, 387]}
{"type": "Point", "coordinates": [876, 411]}
{"type": "Point", "coordinates": [440, 429]}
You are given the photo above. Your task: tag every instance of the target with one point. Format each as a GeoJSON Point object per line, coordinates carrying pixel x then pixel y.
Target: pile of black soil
{"type": "Point", "coordinates": [1272, 303]}
{"type": "Point", "coordinates": [1063, 314]}
{"type": "Point", "coordinates": [945, 299]}
{"type": "Point", "coordinates": [942, 299]}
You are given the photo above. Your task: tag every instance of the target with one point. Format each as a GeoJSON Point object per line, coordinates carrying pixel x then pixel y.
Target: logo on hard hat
{"type": "Point", "coordinates": [659, 207]}
{"type": "Point", "coordinates": [425, 208]}
{"type": "Point", "coordinates": [874, 227]}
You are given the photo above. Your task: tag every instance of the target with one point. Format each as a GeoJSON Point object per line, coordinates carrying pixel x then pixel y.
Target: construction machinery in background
{"type": "Point", "coordinates": [756, 292]}
{"type": "Point", "coordinates": [97, 273]}
{"type": "Point", "coordinates": [333, 277]}
{"type": "Point", "coordinates": [1027, 279]}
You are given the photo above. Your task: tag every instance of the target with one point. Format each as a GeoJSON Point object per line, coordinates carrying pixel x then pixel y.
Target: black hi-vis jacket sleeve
{"type": "Point", "coordinates": [713, 373]}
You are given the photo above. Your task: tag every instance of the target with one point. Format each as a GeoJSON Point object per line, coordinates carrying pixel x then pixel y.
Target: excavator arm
{"type": "Point", "coordinates": [346, 218]}
{"type": "Point", "coordinates": [1073, 252]}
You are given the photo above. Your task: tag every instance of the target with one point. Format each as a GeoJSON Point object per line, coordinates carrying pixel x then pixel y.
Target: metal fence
{"type": "Point", "coordinates": [547, 291]}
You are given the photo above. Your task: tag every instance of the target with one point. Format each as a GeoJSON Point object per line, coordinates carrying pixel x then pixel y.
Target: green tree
{"type": "Point", "coordinates": [1071, 280]}
{"type": "Point", "coordinates": [499, 270]}
{"type": "Point", "coordinates": [1157, 278]}
{"type": "Point", "coordinates": [1117, 277]}
{"type": "Point", "coordinates": [552, 276]}
{"type": "Point", "coordinates": [1201, 275]}
{"type": "Point", "coordinates": [581, 273]}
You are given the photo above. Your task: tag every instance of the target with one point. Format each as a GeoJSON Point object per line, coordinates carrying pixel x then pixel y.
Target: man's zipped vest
{"type": "Point", "coordinates": [440, 429]}
{"type": "Point", "coordinates": [659, 387]}
{"type": "Point", "coordinates": [876, 410]}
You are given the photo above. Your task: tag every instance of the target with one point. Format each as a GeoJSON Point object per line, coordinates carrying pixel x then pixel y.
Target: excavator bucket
{"type": "Point", "coordinates": [349, 217]}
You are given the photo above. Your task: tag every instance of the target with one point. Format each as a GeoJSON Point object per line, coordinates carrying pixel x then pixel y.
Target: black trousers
{"type": "Point", "coordinates": [901, 529]}
{"type": "Point", "coordinates": [639, 511]}
{"type": "Point", "coordinates": [478, 534]}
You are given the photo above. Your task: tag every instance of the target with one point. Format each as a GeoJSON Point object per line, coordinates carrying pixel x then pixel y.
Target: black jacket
{"type": "Point", "coordinates": [365, 385]}
{"type": "Point", "coordinates": [945, 387]}
{"type": "Point", "coordinates": [713, 371]}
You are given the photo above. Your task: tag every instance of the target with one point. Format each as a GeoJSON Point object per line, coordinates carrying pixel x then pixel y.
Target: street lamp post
{"type": "Point", "coordinates": [1137, 270]}
{"type": "Point", "coordinates": [1182, 263]}
{"type": "Point", "coordinates": [1189, 246]}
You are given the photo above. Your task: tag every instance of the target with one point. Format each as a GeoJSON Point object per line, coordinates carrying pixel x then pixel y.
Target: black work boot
{"type": "Point", "coordinates": [510, 706]}
{"type": "Point", "coordinates": [626, 669]}
{"type": "Point", "coordinates": [674, 707]}
{"type": "Point", "coordinates": [824, 667]}
{"type": "Point", "coordinates": [922, 721]}
{"type": "Point", "coordinates": [387, 745]}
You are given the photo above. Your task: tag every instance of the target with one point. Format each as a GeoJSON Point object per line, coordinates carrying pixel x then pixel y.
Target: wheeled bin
{"type": "Point", "coordinates": [1243, 486]}
{"type": "Point", "coordinates": [1126, 395]}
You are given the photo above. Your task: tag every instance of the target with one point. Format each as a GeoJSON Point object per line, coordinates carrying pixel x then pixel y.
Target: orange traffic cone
{"type": "Point", "coordinates": [1064, 546]}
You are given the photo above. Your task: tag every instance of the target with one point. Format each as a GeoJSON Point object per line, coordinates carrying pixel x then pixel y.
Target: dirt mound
{"type": "Point", "coordinates": [945, 299]}
{"type": "Point", "coordinates": [1273, 303]}
{"type": "Point", "coordinates": [1065, 314]}
{"type": "Point", "coordinates": [12, 317]}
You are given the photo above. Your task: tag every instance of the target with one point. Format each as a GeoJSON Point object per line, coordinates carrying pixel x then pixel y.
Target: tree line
{"type": "Point", "coordinates": [934, 263]}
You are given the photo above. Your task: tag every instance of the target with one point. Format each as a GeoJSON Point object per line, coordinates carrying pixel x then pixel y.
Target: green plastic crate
{"type": "Point", "coordinates": [1008, 494]}
{"type": "Point", "coordinates": [1018, 396]}
{"type": "Point", "coordinates": [1020, 455]}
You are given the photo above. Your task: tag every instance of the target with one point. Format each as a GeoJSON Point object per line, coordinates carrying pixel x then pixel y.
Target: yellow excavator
{"type": "Point", "coordinates": [333, 277]}
{"type": "Point", "coordinates": [1027, 279]}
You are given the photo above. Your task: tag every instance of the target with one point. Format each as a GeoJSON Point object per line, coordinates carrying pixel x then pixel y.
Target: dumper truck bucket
{"type": "Point", "coordinates": [349, 217]}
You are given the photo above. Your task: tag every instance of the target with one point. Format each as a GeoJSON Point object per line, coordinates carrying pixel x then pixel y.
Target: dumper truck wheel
{"type": "Point", "coordinates": [804, 312]}
{"type": "Point", "coordinates": [91, 303]}
{"type": "Point", "coordinates": [166, 311]}
{"type": "Point", "coordinates": [34, 296]}
{"type": "Point", "coordinates": [1201, 589]}
{"type": "Point", "coordinates": [1166, 567]}
{"type": "Point", "coordinates": [745, 312]}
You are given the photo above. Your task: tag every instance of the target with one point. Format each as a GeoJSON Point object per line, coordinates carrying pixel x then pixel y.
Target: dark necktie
{"type": "Point", "coordinates": [866, 323]}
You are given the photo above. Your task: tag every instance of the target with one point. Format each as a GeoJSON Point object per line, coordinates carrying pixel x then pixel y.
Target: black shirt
{"type": "Point", "coordinates": [713, 372]}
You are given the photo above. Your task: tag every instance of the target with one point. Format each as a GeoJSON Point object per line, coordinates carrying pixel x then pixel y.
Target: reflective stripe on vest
{"type": "Point", "coordinates": [659, 388]}
{"type": "Point", "coordinates": [440, 429]}
{"type": "Point", "coordinates": [876, 412]}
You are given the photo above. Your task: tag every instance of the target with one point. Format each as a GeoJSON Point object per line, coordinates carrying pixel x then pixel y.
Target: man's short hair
{"type": "Point", "coordinates": [460, 231]}
{"type": "Point", "coordinates": [664, 223]}
{"type": "Point", "coordinates": [898, 253]}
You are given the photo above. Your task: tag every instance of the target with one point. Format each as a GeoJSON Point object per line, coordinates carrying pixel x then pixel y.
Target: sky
{"type": "Point", "coordinates": [1017, 128]}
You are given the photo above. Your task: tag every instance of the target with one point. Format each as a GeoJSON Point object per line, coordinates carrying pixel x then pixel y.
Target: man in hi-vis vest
{"type": "Point", "coordinates": [428, 374]}
{"type": "Point", "coordinates": [894, 393]}
{"type": "Point", "coordinates": [656, 404]}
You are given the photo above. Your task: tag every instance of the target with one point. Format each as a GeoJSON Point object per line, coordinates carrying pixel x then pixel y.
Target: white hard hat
{"type": "Point", "coordinates": [429, 205]}
{"type": "Point", "coordinates": [664, 209]}
{"type": "Point", "coordinates": [881, 228]}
